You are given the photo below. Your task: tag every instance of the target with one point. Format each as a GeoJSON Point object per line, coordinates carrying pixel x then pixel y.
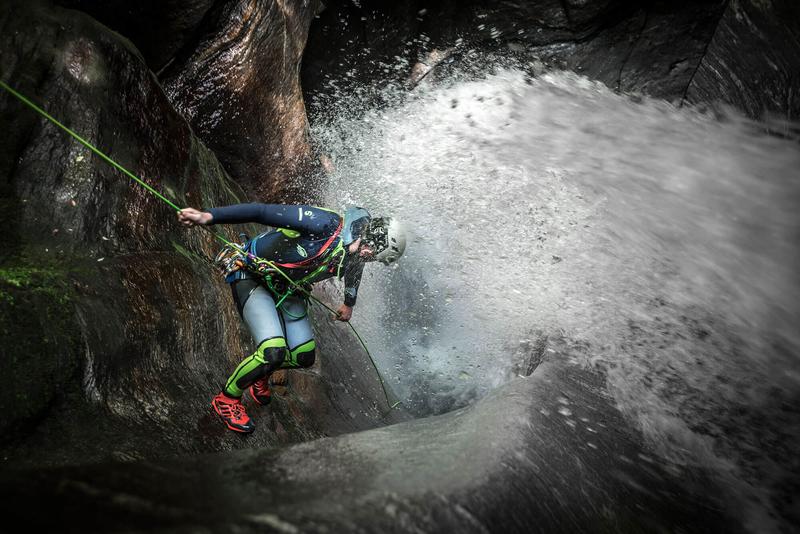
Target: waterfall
{"type": "Point", "coordinates": [658, 243]}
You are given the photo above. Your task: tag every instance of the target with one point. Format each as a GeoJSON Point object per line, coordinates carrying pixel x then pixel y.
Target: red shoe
{"type": "Point", "coordinates": [260, 391]}
{"type": "Point", "coordinates": [233, 413]}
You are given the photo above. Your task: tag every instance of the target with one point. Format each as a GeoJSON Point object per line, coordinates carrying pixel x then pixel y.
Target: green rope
{"type": "Point", "coordinates": [391, 406]}
{"type": "Point", "coordinates": [171, 204]}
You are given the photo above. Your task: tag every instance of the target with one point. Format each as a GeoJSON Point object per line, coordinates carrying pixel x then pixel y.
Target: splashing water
{"type": "Point", "coordinates": [658, 243]}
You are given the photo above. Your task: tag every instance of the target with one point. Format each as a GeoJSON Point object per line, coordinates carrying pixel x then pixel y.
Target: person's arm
{"type": "Point", "coordinates": [352, 279]}
{"type": "Point", "coordinates": [305, 219]}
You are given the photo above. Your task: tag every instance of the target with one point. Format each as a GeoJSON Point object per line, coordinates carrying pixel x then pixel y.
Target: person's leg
{"type": "Point", "coordinates": [300, 339]}
{"type": "Point", "coordinates": [261, 317]}
{"type": "Point", "coordinates": [299, 334]}
{"type": "Point", "coordinates": [257, 309]}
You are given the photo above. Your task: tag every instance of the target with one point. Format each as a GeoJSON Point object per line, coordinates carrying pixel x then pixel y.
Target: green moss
{"type": "Point", "coordinates": [39, 337]}
{"type": "Point", "coordinates": [50, 281]}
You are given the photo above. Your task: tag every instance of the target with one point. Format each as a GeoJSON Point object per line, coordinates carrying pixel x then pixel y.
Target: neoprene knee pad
{"type": "Point", "coordinates": [273, 356]}
{"type": "Point", "coordinates": [306, 359]}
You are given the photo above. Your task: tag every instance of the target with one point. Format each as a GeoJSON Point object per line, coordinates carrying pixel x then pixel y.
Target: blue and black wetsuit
{"type": "Point", "coordinates": [307, 246]}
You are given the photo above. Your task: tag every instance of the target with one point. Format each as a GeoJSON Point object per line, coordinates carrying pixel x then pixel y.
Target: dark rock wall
{"type": "Point", "coordinates": [652, 47]}
{"type": "Point", "coordinates": [239, 88]}
{"type": "Point", "coordinates": [653, 52]}
{"type": "Point", "coordinates": [158, 28]}
{"type": "Point", "coordinates": [231, 69]}
{"type": "Point", "coordinates": [743, 52]}
{"type": "Point", "coordinates": [753, 61]}
{"type": "Point", "coordinates": [116, 330]}
{"type": "Point", "coordinates": [83, 230]}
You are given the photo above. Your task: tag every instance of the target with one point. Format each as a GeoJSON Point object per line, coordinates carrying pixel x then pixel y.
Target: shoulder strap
{"type": "Point", "coordinates": [322, 251]}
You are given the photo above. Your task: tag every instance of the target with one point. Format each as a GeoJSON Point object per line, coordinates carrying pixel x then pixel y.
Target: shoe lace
{"type": "Point", "coordinates": [235, 409]}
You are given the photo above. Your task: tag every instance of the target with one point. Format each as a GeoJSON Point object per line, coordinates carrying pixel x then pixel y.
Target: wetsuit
{"type": "Point", "coordinates": [307, 246]}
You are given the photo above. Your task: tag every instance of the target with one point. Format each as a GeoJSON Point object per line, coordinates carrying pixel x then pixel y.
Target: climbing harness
{"type": "Point", "coordinates": [241, 258]}
{"type": "Point", "coordinates": [231, 260]}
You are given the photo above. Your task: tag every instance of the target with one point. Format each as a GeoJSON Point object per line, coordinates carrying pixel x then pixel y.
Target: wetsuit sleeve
{"type": "Point", "coordinates": [352, 278]}
{"type": "Point", "coordinates": [305, 219]}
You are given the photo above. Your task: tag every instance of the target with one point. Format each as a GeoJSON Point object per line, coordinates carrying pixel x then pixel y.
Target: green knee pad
{"type": "Point", "coordinates": [269, 355]}
{"type": "Point", "coordinates": [302, 356]}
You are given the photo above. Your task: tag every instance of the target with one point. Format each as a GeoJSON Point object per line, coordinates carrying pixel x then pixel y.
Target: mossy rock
{"type": "Point", "coordinates": [40, 342]}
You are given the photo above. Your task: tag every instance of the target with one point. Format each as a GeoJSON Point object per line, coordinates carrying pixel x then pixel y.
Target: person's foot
{"type": "Point", "coordinates": [260, 391]}
{"type": "Point", "coordinates": [232, 411]}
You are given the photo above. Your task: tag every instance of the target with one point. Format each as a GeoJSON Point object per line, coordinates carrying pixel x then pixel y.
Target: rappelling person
{"type": "Point", "coordinates": [309, 244]}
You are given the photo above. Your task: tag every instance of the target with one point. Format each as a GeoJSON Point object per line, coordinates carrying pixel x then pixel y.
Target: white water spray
{"type": "Point", "coordinates": [658, 243]}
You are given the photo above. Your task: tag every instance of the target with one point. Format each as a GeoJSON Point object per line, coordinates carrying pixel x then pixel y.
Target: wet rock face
{"type": "Point", "coordinates": [742, 52]}
{"type": "Point", "coordinates": [231, 69]}
{"type": "Point", "coordinates": [158, 28]}
{"type": "Point", "coordinates": [239, 89]}
{"type": "Point", "coordinates": [79, 229]}
{"type": "Point", "coordinates": [627, 45]}
{"type": "Point", "coordinates": [753, 63]}
{"type": "Point", "coordinates": [545, 454]}
{"type": "Point", "coordinates": [116, 330]}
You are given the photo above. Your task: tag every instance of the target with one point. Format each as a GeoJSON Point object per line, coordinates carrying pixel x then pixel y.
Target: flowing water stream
{"type": "Point", "coordinates": [551, 216]}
